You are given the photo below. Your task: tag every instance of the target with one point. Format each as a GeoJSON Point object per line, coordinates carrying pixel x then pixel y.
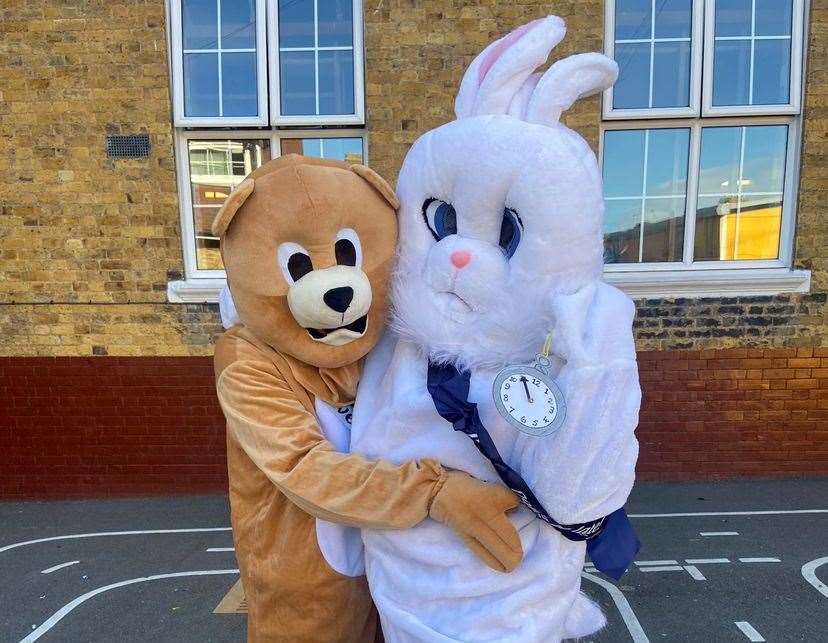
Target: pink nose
{"type": "Point", "coordinates": [460, 258]}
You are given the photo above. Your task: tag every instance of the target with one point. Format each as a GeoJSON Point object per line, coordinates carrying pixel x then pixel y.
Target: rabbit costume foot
{"type": "Point", "coordinates": [584, 618]}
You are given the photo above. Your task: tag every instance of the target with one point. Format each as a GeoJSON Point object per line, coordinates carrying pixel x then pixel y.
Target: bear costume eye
{"type": "Point", "coordinates": [348, 249]}
{"type": "Point", "coordinates": [510, 232]}
{"type": "Point", "coordinates": [294, 261]}
{"type": "Point", "coordinates": [440, 218]}
{"type": "Point", "coordinates": [298, 265]}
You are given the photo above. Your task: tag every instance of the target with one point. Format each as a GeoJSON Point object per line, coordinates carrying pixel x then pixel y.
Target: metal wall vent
{"type": "Point", "coordinates": [128, 146]}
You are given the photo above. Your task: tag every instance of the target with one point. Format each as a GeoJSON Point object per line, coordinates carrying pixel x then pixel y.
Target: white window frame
{"type": "Point", "coordinates": [199, 285]}
{"type": "Point", "coordinates": [720, 277]}
{"type": "Point", "coordinates": [276, 117]}
{"type": "Point", "coordinates": [796, 65]}
{"type": "Point", "coordinates": [696, 39]}
{"type": "Point", "coordinates": [177, 64]}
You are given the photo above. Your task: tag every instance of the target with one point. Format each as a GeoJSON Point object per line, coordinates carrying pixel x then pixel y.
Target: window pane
{"type": "Point", "coordinates": [201, 90]}
{"type": "Point", "coordinates": [199, 24]}
{"type": "Point", "coordinates": [342, 149]}
{"type": "Point", "coordinates": [731, 72]}
{"type": "Point", "coordinates": [673, 18]}
{"type": "Point", "coordinates": [238, 24]}
{"type": "Point", "coordinates": [657, 201]}
{"type": "Point", "coordinates": [773, 17]}
{"type": "Point", "coordinates": [238, 75]}
{"type": "Point", "coordinates": [216, 167]}
{"type": "Point", "coordinates": [633, 19]}
{"type": "Point", "coordinates": [765, 153]}
{"type": "Point", "coordinates": [633, 87]}
{"type": "Point", "coordinates": [296, 23]}
{"type": "Point", "coordinates": [623, 163]}
{"type": "Point", "coordinates": [733, 17]}
{"type": "Point", "coordinates": [771, 72]}
{"type": "Point", "coordinates": [667, 154]}
{"type": "Point", "coordinates": [336, 23]}
{"type": "Point", "coordinates": [671, 74]}
{"type": "Point", "coordinates": [743, 220]}
{"type": "Point", "coordinates": [296, 75]}
{"type": "Point", "coordinates": [622, 231]}
{"type": "Point", "coordinates": [336, 82]}
{"type": "Point", "coordinates": [663, 230]}
{"type": "Point", "coordinates": [719, 161]}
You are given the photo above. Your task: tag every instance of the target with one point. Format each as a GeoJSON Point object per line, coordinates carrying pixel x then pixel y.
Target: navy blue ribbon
{"type": "Point", "coordinates": [611, 541]}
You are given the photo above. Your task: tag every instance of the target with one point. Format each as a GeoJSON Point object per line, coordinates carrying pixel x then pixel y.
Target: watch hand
{"type": "Point", "coordinates": [526, 388]}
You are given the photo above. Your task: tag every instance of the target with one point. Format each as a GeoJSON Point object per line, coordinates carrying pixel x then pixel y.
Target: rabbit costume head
{"type": "Point", "coordinates": [501, 209]}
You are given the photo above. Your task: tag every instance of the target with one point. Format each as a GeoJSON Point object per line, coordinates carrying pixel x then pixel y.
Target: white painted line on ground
{"type": "Point", "coordinates": [214, 549]}
{"type": "Point", "coordinates": [718, 533]}
{"type": "Point", "coordinates": [732, 513]}
{"type": "Point", "coordinates": [644, 563]}
{"type": "Point", "coordinates": [49, 623]}
{"type": "Point", "coordinates": [623, 605]}
{"type": "Point", "coordinates": [809, 574]}
{"type": "Point", "coordinates": [759, 560]}
{"type": "Point", "coordinates": [49, 570]}
{"type": "Point", "coordinates": [662, 568]}
{"type": "Point", "coordinates": [112, 533]}
{"type": "Point", "coordinates": [705, 561]}
{"type": "Point", "coordinates": [749, 631]}
{"type": "Point", "coordinates": [694, 572]}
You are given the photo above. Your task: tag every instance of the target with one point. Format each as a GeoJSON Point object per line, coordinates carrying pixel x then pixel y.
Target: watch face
{"type": "Point", "coordinates": [529, 400]}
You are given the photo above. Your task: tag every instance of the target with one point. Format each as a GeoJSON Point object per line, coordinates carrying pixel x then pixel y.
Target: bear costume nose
{"type": "Point", "coordinates": [339, 298]}
{"type": "Point", "coordinates": [460, 258]}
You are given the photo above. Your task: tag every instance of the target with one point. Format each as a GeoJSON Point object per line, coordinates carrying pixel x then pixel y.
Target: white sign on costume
{"type": "Point", "coordinates": [501, 241]}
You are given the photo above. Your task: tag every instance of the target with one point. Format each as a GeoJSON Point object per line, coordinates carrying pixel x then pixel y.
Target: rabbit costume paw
{"type": "Point", "coordinates": [501, 243]}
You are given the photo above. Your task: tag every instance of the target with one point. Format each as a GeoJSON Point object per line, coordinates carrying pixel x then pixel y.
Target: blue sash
{"type": "Point", "coordinates": [611, 541]}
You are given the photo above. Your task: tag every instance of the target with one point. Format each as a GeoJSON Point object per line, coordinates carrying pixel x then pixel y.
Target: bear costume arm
{"type": "Point", "coordinates": [285, 442]}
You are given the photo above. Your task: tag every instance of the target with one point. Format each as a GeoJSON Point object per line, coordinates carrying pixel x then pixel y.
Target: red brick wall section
{"type": "Point", "coordinates": [731, 413]}
{"type": "Point", "coordinates": [106, 426]}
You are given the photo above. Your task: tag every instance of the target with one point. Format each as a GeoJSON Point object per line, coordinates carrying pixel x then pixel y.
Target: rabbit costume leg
{"type": "Point", "coordinates": [501, 243]}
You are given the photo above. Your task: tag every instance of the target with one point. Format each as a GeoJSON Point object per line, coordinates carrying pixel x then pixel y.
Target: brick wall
{"type": "Point", "coordinates": [737, 412]}
{"type": "Point", "coordinates": [93, 427]}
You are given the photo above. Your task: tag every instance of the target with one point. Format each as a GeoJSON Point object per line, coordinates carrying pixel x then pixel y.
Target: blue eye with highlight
{"type": "Point", "coordinates": [440, 218]}
{"type": "Point", "coordinates": [510, 232]}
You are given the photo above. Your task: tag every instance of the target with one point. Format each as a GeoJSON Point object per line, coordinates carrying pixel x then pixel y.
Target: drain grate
{"type": "Point", "coordinates": [128, 146]}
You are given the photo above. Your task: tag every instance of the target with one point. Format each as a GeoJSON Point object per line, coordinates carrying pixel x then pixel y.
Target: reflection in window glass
{"type": "Point", "coordinates": [741, 181]}
{"type": "Point", "coordinates": [220, 74]}
{"type": "Point", "coordinates": [645, 181]}
{"type": "Point", "coordinates": [316, 57]}
{"type": "Point", "coordinates": [340, 149]}
{"type": "Point", "coordinates": [216, 168]}
{"type": "Point", "coordinates": [652, 49]}
{"type": "Point", "coordinates": [752, 52]}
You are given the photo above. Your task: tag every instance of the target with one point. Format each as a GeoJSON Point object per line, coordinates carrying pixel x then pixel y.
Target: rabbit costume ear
{"type": "Point", "coordinates": [565, 82]}
{"type": "Point", "coordinates": [497, 74]}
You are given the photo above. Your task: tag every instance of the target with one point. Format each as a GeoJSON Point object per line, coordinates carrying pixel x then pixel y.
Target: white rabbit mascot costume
{"type": "Point", "coordinates": [500, 248]}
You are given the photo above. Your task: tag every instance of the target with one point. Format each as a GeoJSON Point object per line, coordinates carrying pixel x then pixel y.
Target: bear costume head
{"type": "Point", "coordinates": [309, 247]}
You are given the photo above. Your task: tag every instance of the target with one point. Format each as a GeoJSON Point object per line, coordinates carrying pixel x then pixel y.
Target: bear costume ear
{"type": "Point", "coordinates": [378, 183]}
{"type": "Point", "coordinates": [231, 205]}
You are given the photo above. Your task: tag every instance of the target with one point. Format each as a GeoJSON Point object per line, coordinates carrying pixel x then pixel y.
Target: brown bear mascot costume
{"type": "Point", "coordinates": [309, 248]}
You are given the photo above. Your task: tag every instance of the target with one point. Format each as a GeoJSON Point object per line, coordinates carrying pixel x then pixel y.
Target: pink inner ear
{"type": "Point", "coordinates": [506, 42]}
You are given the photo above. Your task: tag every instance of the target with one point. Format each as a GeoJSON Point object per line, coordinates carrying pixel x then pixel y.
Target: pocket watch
{"type": "Point", "coordinates": [528, 398]}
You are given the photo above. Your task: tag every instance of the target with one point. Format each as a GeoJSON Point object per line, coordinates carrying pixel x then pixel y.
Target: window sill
{"type": "Point", "coordinates": [638, 285]}
{"type": "Point", "coordinates": [710, 283]}
{"type": "Point", "coordinates": [194, 291]}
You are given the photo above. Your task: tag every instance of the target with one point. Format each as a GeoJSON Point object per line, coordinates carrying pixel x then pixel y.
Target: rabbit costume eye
{"type": "Point", "coordinates": [440, 217]}
{"type": "Point", "coordinates": [510, 232]}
